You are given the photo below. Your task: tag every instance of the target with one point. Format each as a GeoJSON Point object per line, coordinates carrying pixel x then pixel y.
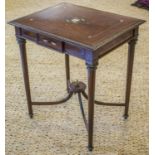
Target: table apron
{"type": "Point", "coordinates": [115, 43]}
{"type": "Point", "coordinates": [71, 49]}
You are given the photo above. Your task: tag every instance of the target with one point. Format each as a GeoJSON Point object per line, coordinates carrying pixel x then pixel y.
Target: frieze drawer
{"type": "Point", "coordinates": [50, 42]}
{"type": "Point", "coordinates": [75, 51]}
{"type": "Point", "coordinates": [29, 35]}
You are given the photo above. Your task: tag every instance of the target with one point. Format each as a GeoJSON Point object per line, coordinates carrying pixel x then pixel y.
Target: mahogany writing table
{"type": "Point", "coordinates": [84, 33]}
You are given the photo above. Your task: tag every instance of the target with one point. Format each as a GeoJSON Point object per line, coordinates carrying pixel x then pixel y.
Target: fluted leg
{"type": "Point", "coordinates": [22, 48]}
{"type": "Point", "coordinates": [131, 51]}
{"type": "Point", "coordinates": [91, 94]}
{"type": "Point", "coordinates": [67, 71]}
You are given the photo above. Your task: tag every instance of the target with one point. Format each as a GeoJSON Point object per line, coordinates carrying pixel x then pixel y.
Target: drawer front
{"type": "Point", "coordinates": [50, 42]}
{"type": "Point", "coordinates": [29, 35]}
{"type": "Point", "coordinates": [75, 51]}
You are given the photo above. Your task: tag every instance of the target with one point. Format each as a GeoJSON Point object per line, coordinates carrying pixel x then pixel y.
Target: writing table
{"type": "Point", "coordinates": [84, 33]}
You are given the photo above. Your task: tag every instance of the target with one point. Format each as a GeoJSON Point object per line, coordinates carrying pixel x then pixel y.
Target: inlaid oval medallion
{"type": "Point", "coordinates": [75, 20]}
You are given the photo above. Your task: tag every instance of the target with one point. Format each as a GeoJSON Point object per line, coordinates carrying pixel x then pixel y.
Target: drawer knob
{"type": "Point", "coordinates": [45, 41]}
{"type": "Point", "coordinates": [53, 43]}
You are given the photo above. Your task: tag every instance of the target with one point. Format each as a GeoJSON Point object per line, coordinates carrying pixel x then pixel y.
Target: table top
{"type": "Point", "coordinates": [84, 26]}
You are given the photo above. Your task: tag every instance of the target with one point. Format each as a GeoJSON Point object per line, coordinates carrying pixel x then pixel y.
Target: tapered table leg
{"type": "Point", "coordinates": [22, 48]}
{"type": "Point", "coordinates": [131, 50]}
{"type": "Point", "coordinates": [67, 71]}
{"type": "Point", "coordinates": [91, 93]}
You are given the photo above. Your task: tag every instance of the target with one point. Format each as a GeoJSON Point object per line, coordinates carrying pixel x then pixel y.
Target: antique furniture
{"type": "Point", "coordinates": [84, 33]}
